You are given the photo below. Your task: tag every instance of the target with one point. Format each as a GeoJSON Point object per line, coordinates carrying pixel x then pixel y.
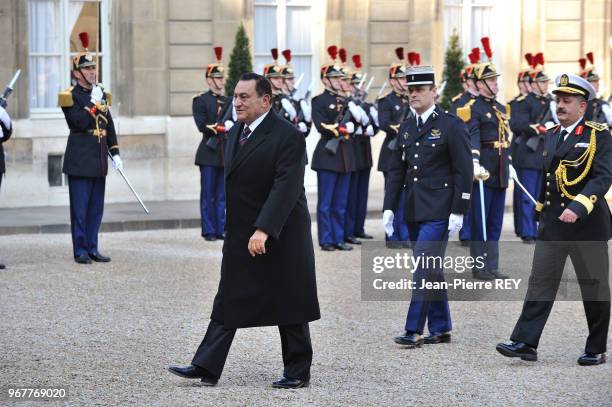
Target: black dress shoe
{"type": "Point", "coordinates": [2, 266]}
{"type": "Point", "coordinates": [528, 240]}
{"type": "Point", "coordinates": [393, 244]}
{"type": "Point", "coordinates": [210, 238]}
{"type": "Point", "coordinates": [464, 243]}
{"type": "Point", "coordinates": [499, 276]}
{"type": "Point", "coordinates": [220, 237]}
{"type": "Point", "coordinates": [352, 240]}
{"type": "Point", "coordinates": [343, 246]}
{"type": "Point", "coordinates": [328, 247]}
{"type": "Point", "coordinates": [83, 259]}
{"type": "Point", "coordinates": [518, 350]}
{"type": "Point", "coordinates": [406, 245]}
{"type": "Point", "coordinates": [409, 340]}
{"type": "Point", "coordinates": [364, 236]}
{"type": "Point", "coordinates": [193, 372]}
{"type": "Point", "coordinates": [483, 275]}
{"type": "Point", "coordinates": [96, 256]}
{"type": "Point", "coordinates": [438, 337]}
{"type": "Point", "coordinates": [285, 383]}
{"type": "Point", "coordinates": [591, 359]}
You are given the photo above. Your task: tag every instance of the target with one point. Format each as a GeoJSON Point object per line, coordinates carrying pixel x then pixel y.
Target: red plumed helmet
{"type": "Point", "coordinates": [332, 50]}
{"type": "Point", "coordinates": [476, 52]}
{"type": "Point", "coordinates": [342, 54]}
{"type": "Point", "coordinates": [399, 52]}
{"type": "Point", "coordinates": [582, 62]}
{"type": "Point", "coordinates": [357, 61]}
{"type": "Point", "coordinates": [529, 58]}
{"type": "Point", "coordinates": [411, 58]}
{"type": "Point", "coordinates": [84, 37]}
{"type": "Point", "coordinates": [218, 53]}
{"type": "Point", "coordinates": [287, 55]}
{"type": "Point", "coordinates": [274, 52]}
{"type": "Point", "coordinates": [417, 58]}
{"type": "Point", "coordinates": [590, 58]}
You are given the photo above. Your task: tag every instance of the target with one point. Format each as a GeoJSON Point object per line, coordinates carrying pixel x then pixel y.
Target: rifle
{"type": "Point", "coordinates": [225, 114]}
{"type": "Point", "coordinates": [300, 116]}
{"type": "Point", "coordinates": [393, 143]}
{"type": "Point", "coordinates": [296, 86]}
{"type": "Point", "coordinates": [9, 89]}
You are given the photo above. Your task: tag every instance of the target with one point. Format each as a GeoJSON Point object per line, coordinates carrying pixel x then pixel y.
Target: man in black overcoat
{"type": "Point", "coordinates": [267, 270]}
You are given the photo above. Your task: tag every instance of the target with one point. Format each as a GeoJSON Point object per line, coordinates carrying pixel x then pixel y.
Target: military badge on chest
{"type": "Point", "coordinates": [434, 135]}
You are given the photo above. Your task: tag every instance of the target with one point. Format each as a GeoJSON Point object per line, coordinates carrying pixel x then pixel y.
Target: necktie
{"type": "Point", "coordinates": [561, 138]}
{"type": "Point", "coordinates": [244, 136]}
{"type": "Point", "coordinates": [419, 123]}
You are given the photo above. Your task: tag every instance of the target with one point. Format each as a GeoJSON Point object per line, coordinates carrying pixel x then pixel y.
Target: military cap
{"type": "Point", "coordinates": [356, 75]}
{"type": "Point", "coordinates": [287, 70]}
{"type": "Point", "coordinates": [332, 70]}
{"type": "Point", "coordinates": [420, 75]}
{"type": "Point", "coordinates": [84, 58]}
{"type": "Point", "coordinates": [273, 70]}
{"type": "Point", "coordinates": [571, 84]}
{"type": "Point", "coordinates": [537, 73]}
{"type": "Point", "coordinates": [588, 73]}
{"type": "Point", "coordinates": [216, 70]}
{"type": "Point", "coordinates": [398, 69]}
{"type": "Point", "coordinates": [485, 70]}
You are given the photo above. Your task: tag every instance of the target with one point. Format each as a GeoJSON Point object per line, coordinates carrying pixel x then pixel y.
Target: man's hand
{"type": "Point", "coordinates": [96, 95]}
{"type": "Point", "coordinates": [288, 108]}
{"type": "Point", "coordinates": [228, 125]}
{"type": "Point", "coordinates": [117, 162]}
{"type": "Point", "coordinates": [568, 216]}
{"type": "Point", "coordinates": [512, 172]}
{"type": "Point", "coordinates": [302, 127]}
{"type": "Point", "coordinates": [257, 243]}
{"type": "Point", "coordinates": [388, 221]}
{"type": "Point", "coordinates": [306, 109]}
{"type": "Point", "coordinates": [455, 223]}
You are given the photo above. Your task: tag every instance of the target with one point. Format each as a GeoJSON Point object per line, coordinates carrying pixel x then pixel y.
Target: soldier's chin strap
{"type": "Point", "coordinates": [489, 88]}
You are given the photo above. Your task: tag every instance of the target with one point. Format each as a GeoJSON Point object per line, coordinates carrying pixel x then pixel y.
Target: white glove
{"type": "Point", "coordinates": [306, 110]}
{"type": "Point", "coordinates": [549, 124]}
{"type": "Point", "coordinates": [369, 130]}
{"type": "Point", "coordinates": [288, 106]}
{"type": "Point", "coordinates": [96, 94]}
{"type": "Point", "coordinates": [359, 131]}
{"type": "Point", "coordinates": [302, 127]}
{"type": "Point", "coordinates": [476, 169]}
{"type": "Point", "coordinates": [117, 163]}
{"type": "Point", "coordinates": [512, 172]}
{"type": "Point", "coordinates": [228, 125]}
{"type": "Point", "coordinates": [355, 111]}
{"type": "Point", "coordinates": [455, 223]}
{"type": "Point", "coordinates": [374, 114]}
{"type": "Point", "coordinates": [350, 128]}
{"type": "Point", "coordinates": [388, 221]}
{"type": "Point", "coordinates": [5, 119]}
{"type": "Point", "coordinates": [365, 120]}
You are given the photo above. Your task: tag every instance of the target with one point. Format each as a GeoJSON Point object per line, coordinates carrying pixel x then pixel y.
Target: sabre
{"type": "Point", "coordinates": [482, 209]}
{"type": "Point", "coordinates": [9, 89]}
{"type": "Point", "coordinates": [369, 84]}
{"type": "Point", "coordinates": [382, 89]}
{"type": "Point", "coordinates": [298, 82]}
{"type": "Point", "coordinates": [517, 182]}
{"type": "Point", "coordinates": [362, 80]}
{"type": "Point", "coordinates": [129, 185]}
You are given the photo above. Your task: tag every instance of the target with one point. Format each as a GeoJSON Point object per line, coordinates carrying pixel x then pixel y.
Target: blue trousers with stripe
{"type": "Point", "coordinates": [363, 185]}
{"type": "Point", "coordinates": [532, 181]}
{"type": "Point", "coordinates": [350, 218]}
{"type": "Point", "coordinates": [86, 209]}
{"type": "Point", "coordinates": [333, 189]}
{"type": "Point", "coordinates": [428, 239]}
{"type": "Point", "coordinates": [212, 200]}
{"type": "Point", "coordinates": [494, 204]}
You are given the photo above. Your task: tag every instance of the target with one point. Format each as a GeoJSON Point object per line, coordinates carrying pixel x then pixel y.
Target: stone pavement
{"type": "Point", "coordinates": [107, 332]}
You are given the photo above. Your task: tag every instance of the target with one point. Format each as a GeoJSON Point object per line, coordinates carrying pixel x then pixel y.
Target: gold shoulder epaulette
{"type": "Point", "coordinates": [597, 126]}
{"type": "Point", "coordinates": [465, 112]}
{"type": "Point", "coordinates": [521, 98]}
{"type": "Point", "coordinates": [382, 96]}
{"type": "Point", "coordinates": [456, 97]}
{"type": "Point", "coordinates": [198, 95]}
{"type": "Point", "coordinates": [109, 98]}
{"type": "Point", "coordinates": [64, 98]}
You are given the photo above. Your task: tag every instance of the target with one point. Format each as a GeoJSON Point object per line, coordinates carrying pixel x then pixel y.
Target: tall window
{"type": "Point", "coordinates": [53, 28]}
{"type": "Point", "coordinates": [284, 24]}
{"type": "Point", "coordinates": [473, 19]}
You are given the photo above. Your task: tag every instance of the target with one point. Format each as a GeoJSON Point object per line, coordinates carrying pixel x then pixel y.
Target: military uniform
{"type": "Point", "coordinates": [433, 168]}
{"type": "Point", "coordinates": [487, 123]}
{"type": "Point", "coordinates": [92, 136]}
{"type": "Point", "coordinates": [598, 110]}
{"type": "Point", "coordinates": [393, 109]}
{"type": "Point", "coordinates": [6, 130]}
{"type": "Point", "coordinates": [578, 174]}
{"type": "Point", "coordinates": [212, 114]}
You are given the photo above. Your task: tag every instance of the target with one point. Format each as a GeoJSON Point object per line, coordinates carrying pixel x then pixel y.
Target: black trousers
{"type": "Point", "coordinates": [591, 264]}
{"type": "Point", "coordinates": [295, 343]}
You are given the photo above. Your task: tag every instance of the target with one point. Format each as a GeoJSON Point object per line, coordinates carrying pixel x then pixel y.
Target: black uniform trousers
{"type": "Point", "coordinates": [295, 344]}
{"type": "Point", "coordinates": [591, 263]}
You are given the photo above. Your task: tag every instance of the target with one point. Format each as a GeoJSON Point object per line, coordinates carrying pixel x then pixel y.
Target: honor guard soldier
{"type": "Point", "coordinates": [363, 134]}
{"type": "Point", "coordinates": [471, 91]}
{"type": "Point", "coordinates": [92, 135]}
{"type": "Point", "coordinates": [529, 121]}
{"type": "Point", "coordinates": [393, 109]}
{"type": "Point", "coordinates": [280, 102]}
{"type": "Point", "coordinates": [487, 122]}
{"type": "Point", "coordinates": [598, 110]}
{"type": "Point", "coordinates": [360, 120]}
{"type": "Point", "coordinates": [523, 83]}
{"type": "Point", "coordinates": [333, 158]}
{"type": "Point", "coordinates": [214, 116]}
{"type": "Point", "coordinates": [301, 106]}
{"type": "Point", "coordinates": [574, 220]}
{"type": "Point", "coordinates": [6, 130]}
{"type": "Point", "coordinates": [433, 168]}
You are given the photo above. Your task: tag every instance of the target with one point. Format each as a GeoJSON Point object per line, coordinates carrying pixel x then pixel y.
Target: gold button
{"type": "Point", "coordinates": [547, 202]}
{"type": "Point", "coordinates": [415, 179]}
{"type": "Point", "coordinates": [415, 167]}
{"type": "Point", "coordinates": [562, 205]}
{"type": "Point", "coordinates": [445, 185]}
{"type": "Point", "coordinates": [548, 174]}
{"type": "Point", "coordinates": [547, 183]}
{"type": "Point", "coordinates": [417, 143]}
{"type": "Point", "coordinates": [433, 145]}
{"type": "Point", "coordinates": [547, 193]}
{"type": "Point", "coordinates": [416, 156]}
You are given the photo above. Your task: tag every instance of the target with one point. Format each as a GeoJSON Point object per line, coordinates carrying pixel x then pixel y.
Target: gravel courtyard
{"type": "Point", "coordinates": [107, 333]}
